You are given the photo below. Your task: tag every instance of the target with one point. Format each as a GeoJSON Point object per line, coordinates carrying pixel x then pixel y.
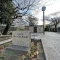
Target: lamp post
{"type": "Point", "coordinates": [43, 9]}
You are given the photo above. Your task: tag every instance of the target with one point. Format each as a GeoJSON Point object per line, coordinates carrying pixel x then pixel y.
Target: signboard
{"type": "Point", "coordinates": [21, 38]}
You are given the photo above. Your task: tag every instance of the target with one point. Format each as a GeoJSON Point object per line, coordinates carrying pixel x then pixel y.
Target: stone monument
{"type": "Point", "coordinates": [21, 38]}
{"type": "Point", "coordinates": [20, 44]}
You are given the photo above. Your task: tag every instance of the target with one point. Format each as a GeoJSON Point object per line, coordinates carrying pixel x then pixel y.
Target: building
{"type": "Point", "coordinates": [35, 29]}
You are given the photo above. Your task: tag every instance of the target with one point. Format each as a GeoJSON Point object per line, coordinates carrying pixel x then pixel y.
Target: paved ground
{"type": "Point", "coordinates": [51, 45]}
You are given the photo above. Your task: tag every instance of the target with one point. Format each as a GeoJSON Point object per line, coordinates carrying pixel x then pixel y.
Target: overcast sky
{"type": "Point", "coordinates": [49, 9]}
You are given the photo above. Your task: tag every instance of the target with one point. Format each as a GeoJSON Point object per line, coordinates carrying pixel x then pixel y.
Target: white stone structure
{"type": "Point", "coordinates": [21, 38]}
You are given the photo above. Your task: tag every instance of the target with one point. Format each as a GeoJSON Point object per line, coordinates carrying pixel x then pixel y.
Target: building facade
{"type": "Point", "coordinates": [35, 29]}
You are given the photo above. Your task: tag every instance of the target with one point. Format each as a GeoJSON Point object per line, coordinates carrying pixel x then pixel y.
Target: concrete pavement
{"type": "Point", "coordinates": [51, 45]}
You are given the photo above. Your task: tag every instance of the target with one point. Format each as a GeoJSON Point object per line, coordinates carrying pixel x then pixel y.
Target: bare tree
{"type": "Point", "coordinates": [32, 20]}
{"type": "Point", "coordinates": [54, 18]}
{"type": "Point", "coordinates": [23, 6]}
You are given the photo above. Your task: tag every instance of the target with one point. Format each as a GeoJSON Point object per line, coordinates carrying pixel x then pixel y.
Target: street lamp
{"type": "Point", "coordinates": [43, 9]}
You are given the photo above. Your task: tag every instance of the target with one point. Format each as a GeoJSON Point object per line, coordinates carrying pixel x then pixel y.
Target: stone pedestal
{"type": "Point", "coordinates": [21, 41]}
{"type": "Point", "coordinates": [21, 38]}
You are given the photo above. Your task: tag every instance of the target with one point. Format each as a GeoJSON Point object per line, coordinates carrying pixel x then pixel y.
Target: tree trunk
{"type": "Point", "coordinates": [6, 29]}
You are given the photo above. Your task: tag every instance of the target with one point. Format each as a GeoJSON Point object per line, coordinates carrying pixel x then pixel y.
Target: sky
{"type": "Point", "coordinates": [51, 7]}
{"type": "Point", "coordinates": [49, 10]}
